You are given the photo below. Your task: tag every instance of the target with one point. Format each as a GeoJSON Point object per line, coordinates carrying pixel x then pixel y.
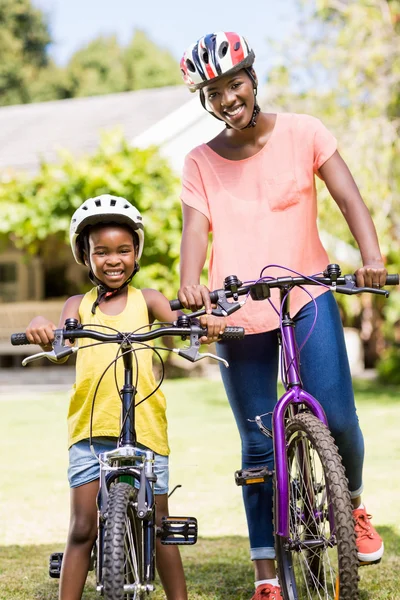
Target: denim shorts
{"type": "Point", "coordinates": [84, 467]}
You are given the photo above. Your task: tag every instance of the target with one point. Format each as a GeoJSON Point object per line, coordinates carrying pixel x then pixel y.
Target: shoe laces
{"type": "Point", "coordinates": [363, 525]}
{"type": "Point", "coordinates": [267, 591]}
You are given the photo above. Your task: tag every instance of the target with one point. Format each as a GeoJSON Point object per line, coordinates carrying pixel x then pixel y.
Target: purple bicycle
{"type": "Point", "coordinates": [313, 521]}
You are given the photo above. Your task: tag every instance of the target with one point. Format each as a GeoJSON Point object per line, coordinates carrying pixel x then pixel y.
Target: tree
{"type": "Point", "coordinates": [27, 74]}
{"type": "Point", "coordinates": [24, 38]}
{"type": "Point", "coordinates": [147, 65]}
{"type": "Point", "coordinates": [97, 69]}
{"type": "Point", "coordinates": [42, 207]}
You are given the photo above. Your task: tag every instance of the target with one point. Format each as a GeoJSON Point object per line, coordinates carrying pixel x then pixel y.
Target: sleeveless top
{"type": "Point", "coordinates": [150, 415]}
{"type": "Point", "coordinates": [262, 210]}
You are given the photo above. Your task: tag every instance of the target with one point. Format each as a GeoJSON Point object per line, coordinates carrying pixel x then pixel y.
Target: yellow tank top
{"type": "Point", "coordinates": [150, 416]}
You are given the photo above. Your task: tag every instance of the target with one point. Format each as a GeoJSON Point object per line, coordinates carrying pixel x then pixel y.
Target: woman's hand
{"type": "Point", "coordinates": [372, 274]}
{"type": "Point", "coordinates": [41, 331]}
{"type": "Point", "coordinates": [215, 328]}
{"type": "Point", "coordinates": [195, 297]}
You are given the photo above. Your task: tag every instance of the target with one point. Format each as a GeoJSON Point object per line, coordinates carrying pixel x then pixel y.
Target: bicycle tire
{"type": "Point", "coordinates": [123, 545]}
{"type": "Point", "coordinates": [316, 563]}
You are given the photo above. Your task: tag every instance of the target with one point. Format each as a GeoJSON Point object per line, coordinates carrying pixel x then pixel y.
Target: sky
{"type": "Point", "coordinates": [172, 24]}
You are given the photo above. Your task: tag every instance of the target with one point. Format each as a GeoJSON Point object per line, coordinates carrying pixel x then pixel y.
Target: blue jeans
{"type": "Point", "coordinates": [250, 383]}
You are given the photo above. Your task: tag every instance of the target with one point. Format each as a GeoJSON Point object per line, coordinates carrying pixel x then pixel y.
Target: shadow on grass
{"type": "Point", "coordinates": [216, 569]}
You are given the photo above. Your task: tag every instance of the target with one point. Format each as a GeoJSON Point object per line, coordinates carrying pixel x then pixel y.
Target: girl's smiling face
{"type": "Point", "coordinates": [232, 99]}
{"type": "Point", "coordinates": [112, 251]}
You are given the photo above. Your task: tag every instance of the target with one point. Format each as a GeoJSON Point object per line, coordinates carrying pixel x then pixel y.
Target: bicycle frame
{"type": "Point", "coordinates": [112, 467]}
{"type": "Point", "coordinates": [291, 399]}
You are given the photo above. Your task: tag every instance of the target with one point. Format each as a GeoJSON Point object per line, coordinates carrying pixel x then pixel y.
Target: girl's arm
{"type": "Point", "coordinates": [344, 191]}
{"type": "Point", "coordinates": [194, 246]}
{"type": "Point", "coordinates": [160, 310]}
{"type": "Point", "coordinates": [41, 330]}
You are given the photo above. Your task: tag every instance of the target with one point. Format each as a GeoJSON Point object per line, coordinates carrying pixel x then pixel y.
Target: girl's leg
{"type": "Point", "coordinates": [168, 558]}
{"type": "Point", "coordinates": [251, 385]}
{"type": "Point", "coordinates": [326, 375]}
{"type": "Point", "coordinates": [81, 537]}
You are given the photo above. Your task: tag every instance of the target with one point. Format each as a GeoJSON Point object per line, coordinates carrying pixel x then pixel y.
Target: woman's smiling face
{"type": "Point", "coordinates": [232, 98]}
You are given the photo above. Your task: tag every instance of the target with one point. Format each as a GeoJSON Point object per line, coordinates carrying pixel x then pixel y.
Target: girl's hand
{"type": "Point", "coordinates": [372, 274]}
{"type": "Point", "coordinates": [41, 331]}
{"type": "Point", "coordinates": [195, 297]}
{"type": "Point", "coordinates": [215, 327]}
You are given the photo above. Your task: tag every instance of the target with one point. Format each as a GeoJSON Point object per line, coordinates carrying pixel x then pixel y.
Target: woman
{"type": "Point", "coordinates": [253, 188]}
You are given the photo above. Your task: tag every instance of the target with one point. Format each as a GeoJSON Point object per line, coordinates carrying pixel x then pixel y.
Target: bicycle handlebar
{"type": "Point", "coordinates": [259, 290]}
{"type": "Point", "coordinates": [20, 339]}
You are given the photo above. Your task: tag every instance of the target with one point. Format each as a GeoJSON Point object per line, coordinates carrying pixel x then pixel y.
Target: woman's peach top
{"type": "Point", "coordinates": [262, 210]}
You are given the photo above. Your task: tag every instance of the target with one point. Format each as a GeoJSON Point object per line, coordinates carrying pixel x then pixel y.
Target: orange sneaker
{"type": "Point", "coordinates": [267, 591]}
{"type": "Point", "coordinates": [368, 541]}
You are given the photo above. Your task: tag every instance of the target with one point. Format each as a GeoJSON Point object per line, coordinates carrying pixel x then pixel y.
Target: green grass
{"type": "Point", "coordinates": [34, 498]}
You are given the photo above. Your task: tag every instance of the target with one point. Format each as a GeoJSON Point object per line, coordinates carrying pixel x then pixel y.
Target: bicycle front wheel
{"type": "Point", "coordinates": [123, 546]}
{"type": "Point", "coordinates": [319, 560]}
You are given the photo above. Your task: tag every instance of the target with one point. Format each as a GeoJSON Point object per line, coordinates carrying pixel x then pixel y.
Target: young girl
{"type": "Point", "coordinates": [253, 187]}
{"type": "Point", "coordinates": [107, 236]}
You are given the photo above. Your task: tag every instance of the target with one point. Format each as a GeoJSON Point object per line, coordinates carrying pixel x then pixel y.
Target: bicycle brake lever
{"type": "Point", "coordinates": [223, 309]}
{"type": "Point", "coordinates": [51, 355]}
{"type": "Point", "coordinates": [194, 355]}
{"type": "Point", "coordinates": [351, 288]}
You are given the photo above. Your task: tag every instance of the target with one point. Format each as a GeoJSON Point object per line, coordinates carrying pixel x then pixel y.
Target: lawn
{"type": "Point", "coordinates": [205, 452]}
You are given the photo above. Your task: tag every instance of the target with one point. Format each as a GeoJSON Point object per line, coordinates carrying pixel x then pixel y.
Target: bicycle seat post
{"type": "Point", "coordinates": [128, 392]}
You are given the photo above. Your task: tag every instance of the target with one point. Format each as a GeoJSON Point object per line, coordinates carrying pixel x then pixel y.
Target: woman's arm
{"type": "Point", "coordinates": [160, 310]}
{"type": "Point", "coordinates": [193, 256]}
{"type": "Point", "coordinates": [344, 191]}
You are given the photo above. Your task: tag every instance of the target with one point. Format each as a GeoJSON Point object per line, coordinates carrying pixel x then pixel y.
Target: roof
{"type": "Point", "coordinates": [31, 133]}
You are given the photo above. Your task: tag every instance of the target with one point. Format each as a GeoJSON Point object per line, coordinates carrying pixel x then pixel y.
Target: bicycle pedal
{"type": "Point", "coordinates": [252, 475]}
{"type": "Point", "coordinates": [55, 564]}
{"type": "Point", "coordinates": [178, 531]}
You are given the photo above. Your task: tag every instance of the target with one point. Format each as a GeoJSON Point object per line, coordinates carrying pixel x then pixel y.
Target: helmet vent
{"type": "Point", "coordinates": [97, 202]}
{"type": "Point", "coordinates": [190, 65]}
{"type": "Point", "coordinates": [113, 202]}
{"type": "Point", "coordinates": [205, 57]}
{"type": "Point", "coordinates": [223, 49]}
{"type": "Point", "coordinates": [236, 46]}
{"type": "Point", "coordinates": [85, 208]}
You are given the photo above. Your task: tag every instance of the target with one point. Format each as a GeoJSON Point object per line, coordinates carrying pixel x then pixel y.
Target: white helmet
{"type": "Point", "coordinates": [213, 56]}
{"type": "Point", "coordinates": [104, 209]}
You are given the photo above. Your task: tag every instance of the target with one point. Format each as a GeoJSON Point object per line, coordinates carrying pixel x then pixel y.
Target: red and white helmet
{"type": "Point", "coordinates": [213, 56]}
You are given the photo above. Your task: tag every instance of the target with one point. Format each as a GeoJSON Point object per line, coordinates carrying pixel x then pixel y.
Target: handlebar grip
{"type": "Point", "coordinates": [19, 339]}
{"type": "Point", "coordinates": [233, 333]}
{"type": "Point", "coordinates": [392, 279]}
{"type": "Point", "coordinates": [175, 304]}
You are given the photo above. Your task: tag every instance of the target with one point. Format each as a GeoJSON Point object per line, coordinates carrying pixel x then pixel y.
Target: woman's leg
{"type": "Point", "coordinates": [326, 375]}
{"type": "Point", "coordinates": [251, 385]}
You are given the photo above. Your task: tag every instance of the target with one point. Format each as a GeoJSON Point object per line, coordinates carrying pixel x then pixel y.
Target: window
{"type": "Point", "coordinates": [8, 272]}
